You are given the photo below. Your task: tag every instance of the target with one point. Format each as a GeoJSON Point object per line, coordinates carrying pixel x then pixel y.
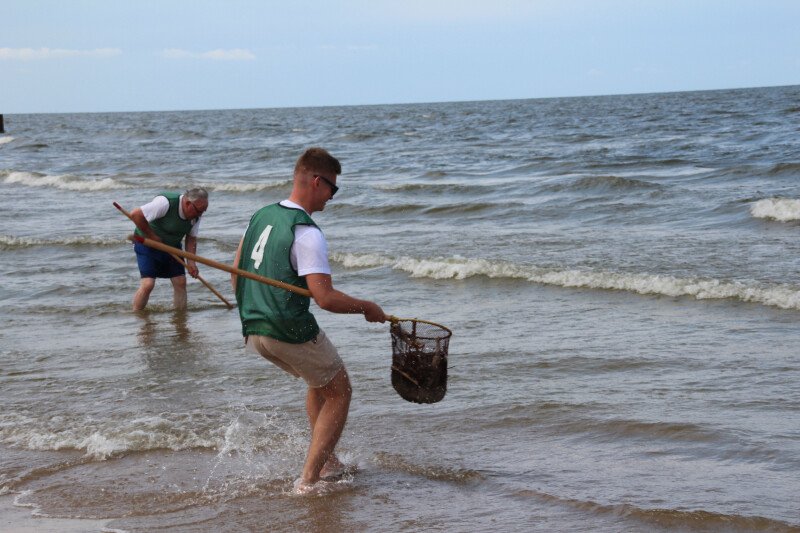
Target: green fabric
{"type": "Point", "coordinates": [266, 248]}
{"type": "Point", "coordinates": [171, 227]}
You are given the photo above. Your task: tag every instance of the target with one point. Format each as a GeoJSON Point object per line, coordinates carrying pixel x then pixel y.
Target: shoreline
{"type": "Point", "coordinates": [17, 519]}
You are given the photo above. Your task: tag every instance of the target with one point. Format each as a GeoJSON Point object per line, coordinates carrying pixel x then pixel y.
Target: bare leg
{"type": "Point", "coordinates": [327, 409]}
{"type": "Point", "coordinates": [179, 292]}
{"type": "Point", "coordinates": [143, 294]}
{"type": "Point", "coordinates": [314, 402]}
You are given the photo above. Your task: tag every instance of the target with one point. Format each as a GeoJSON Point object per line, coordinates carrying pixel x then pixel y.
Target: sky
{"type": "Point", "coordinates": [154, 55]}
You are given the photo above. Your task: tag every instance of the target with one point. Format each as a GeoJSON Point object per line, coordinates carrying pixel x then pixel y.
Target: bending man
{"type": "Point", "coordinates": [168, 218]}
{"type": "Point", "coordinates": [282, 242]}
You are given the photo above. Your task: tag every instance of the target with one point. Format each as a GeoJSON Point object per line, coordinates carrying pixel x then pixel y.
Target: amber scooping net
{"type": "Point", "coordinates": [419, 359]}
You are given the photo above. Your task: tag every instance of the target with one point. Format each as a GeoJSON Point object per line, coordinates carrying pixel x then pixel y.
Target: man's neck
{"type": "Point", "coordinates": [299, 201]}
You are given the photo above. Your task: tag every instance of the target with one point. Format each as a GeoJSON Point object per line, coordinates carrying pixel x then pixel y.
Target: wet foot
{"type": "Point", "coordinates": [333, 468]}
{"type": "Point", "coordinates": [301, 487]}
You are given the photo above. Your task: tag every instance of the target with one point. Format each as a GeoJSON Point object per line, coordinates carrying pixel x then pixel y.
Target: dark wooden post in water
{"type": "Point", "coordinates": [2, 129]}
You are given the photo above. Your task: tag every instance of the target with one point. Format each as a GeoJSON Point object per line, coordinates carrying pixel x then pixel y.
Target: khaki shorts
{"type": "Point", "coordinates": [316, 361]}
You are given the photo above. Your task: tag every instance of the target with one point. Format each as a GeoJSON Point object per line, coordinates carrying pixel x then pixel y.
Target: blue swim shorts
{"type": "Point", "coordinates": [155, 263]}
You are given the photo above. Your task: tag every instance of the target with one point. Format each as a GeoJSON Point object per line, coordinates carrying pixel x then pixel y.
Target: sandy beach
{"type": "Point", "coordinates": [16, 519]}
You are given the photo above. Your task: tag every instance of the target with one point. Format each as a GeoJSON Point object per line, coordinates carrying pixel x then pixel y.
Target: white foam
{"type": "Point", "coordinates": [101, 441]}
{"type": "Point", "coordinates": [8, 241]}
{"type": "Point", "coordinates": [6, 139]}
{"type": "Point", "coordinates": [783, 296]}
{"type": "Point", "coordinates": [320, 488]}
{"type": "Point", "coordinates": [256, 447]}
{"type": "Point", "coordinates": [65, 182]}
{"type": "Point", "coordinates": [249, 187]}
{"type": "Point", "coordinates": [99, 446]}
{"type": "Point", "coordinates": [780, 209]}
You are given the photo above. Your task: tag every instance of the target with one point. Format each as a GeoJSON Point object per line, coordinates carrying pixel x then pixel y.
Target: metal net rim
{"type": "Point", "coordinates": [446, 332]}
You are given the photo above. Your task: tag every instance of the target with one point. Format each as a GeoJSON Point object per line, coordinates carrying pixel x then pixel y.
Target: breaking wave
{"type": "Point", "coordinates": [8, 242]}
{"type": "Point", "coordinates": [780, 209]}
{"type": "Point", "coordinates": [101, 441]}
{"type": "Point", "coordinates": [249, 187]}
{"type": "Point", "coordinates": [248, 432]}
{"type": "Point", "coordinates": [76, 183]}
{"type": "Point", "coordinates": [66, 182]}
{"type": "Point", "coordinates": [777, 295]}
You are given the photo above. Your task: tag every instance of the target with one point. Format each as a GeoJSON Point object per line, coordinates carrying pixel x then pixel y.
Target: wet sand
{"type": "Point", "coordinates": [15, 519]}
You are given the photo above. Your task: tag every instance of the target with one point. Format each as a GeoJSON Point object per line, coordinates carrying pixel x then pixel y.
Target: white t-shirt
{"type": "Point", "coordinates": [309, 254]}
{"type": "Point", "coordinates": [159, 206]}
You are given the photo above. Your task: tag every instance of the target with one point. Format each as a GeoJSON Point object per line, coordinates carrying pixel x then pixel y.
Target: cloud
{"type": "Point", "coordinates": [33, 54]}
{"type": "Point", "coordinates": [234, 54]}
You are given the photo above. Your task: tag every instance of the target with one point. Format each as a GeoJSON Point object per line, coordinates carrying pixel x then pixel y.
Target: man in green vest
{"type": "Point", "coordinates": [282, 242]}
{"type": "Point", "coordinates": [168, 218]}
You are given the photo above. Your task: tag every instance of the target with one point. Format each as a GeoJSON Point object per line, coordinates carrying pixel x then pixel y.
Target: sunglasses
{"type": "Point", "coordinates": [333, 187]}
{"type": "Point", "coordinates": [199, 211]}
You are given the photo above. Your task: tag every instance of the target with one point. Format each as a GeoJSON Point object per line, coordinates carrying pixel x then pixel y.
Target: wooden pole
{"type": "Point", "coordinates": [2, 129]}
{"type": "Point", "coordinates": [221, 266]}
{"type": "Point", "coordinates": [179, 260]}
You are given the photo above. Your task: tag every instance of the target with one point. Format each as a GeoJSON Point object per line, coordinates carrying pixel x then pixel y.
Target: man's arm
{"type": "Point", "coordinates": [156, 208]}
{"type": "Point", "coordinates": [335, 301]}
{"type": "Point", "coordinates": [191, 247]}
{"type": "Point", "coordinates": [236, 264]}
{"type": "Point", "coordinates": [144, 226]}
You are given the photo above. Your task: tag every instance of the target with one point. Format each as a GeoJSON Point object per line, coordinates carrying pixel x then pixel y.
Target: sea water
{"type": "Point", "coordinates": [620, 274]}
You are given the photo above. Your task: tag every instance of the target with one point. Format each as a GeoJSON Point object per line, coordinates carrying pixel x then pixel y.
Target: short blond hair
{"type": "Point", "coordinates": [318, 161]}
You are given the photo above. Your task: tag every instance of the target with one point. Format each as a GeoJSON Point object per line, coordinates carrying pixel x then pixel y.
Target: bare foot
{"type": "Point", "coordinates": [333, 467]}
{"type": "Point", "coordinates": [301, 487]}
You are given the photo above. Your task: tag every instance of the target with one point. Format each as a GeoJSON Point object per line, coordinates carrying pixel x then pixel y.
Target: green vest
{"type": "Point", "coordinates": [171, 227]}
{"type": "Point", "coordinates": [266, 248]}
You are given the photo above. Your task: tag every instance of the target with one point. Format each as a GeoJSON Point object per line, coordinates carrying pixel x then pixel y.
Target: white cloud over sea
{"type": "Point", "coordinates": [33, 54]}
{"type": "Point", "coordinates": [233, 54]}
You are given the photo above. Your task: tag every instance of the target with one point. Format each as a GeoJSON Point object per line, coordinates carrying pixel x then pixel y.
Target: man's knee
{"type": "Point", "coordinates": [147, 284]}
{"type": "Point", "coordinates": [338, 387]}
{"type": "Point", "coordinates": [179, 282]}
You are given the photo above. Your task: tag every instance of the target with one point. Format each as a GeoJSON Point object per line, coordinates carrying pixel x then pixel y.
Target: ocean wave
{"type": "Point", "coordinates": [8, 242]}
{"type": "Point", "coordinates": [247, 434]}
{"type": "Point", "coordinates": [780, 209]}
{"type": "Point", "coordinates": [783, 296]}
{"type": "Point", "coordinates": [462, 209]}
{"type": "Point", "coordinates": [249, 187]}
{"type": "Point", "coordinates": [5, 139]}
{"type": "Point", "coordinates": [785, 168]}
{"type": "Point", "coordinates": [101, 442]}
{"type": "Point", "coordinates": [434, 187]}
{"type": "Point", "coordinates": [65, 182]}
{"type": "Point", "coordinates": [610, 182]}
{"type": "Point", "coordinates": [690, 520]}
{"type": "Point", "coordinates": [615, 429]}
{"type": "Point", "coordinates": [82, 307]}
{"type": "Point", "coordinates": [398, 463]}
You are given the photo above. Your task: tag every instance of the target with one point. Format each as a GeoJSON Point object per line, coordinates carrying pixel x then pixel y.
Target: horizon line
{"type": "Point", "coordinates": [430, 102]}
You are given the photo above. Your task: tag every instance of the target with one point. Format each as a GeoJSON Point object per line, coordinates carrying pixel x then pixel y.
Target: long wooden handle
{"type": "Point", "coordinates": [179, 260]}
{"type": "Point", "coordinates": [221, 266]}
{"type": "Point", "coordinates": [215, 291]}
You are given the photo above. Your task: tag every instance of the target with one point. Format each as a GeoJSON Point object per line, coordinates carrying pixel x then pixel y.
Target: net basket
{"type": "Point", "coordinates": [419, 360]}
